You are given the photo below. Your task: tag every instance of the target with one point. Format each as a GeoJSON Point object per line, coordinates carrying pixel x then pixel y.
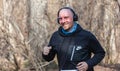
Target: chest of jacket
{"type": "Point", "coordinates": [74, 48]}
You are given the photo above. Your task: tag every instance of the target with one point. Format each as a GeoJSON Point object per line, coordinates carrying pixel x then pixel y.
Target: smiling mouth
{"type": "Point", "coordinates": [65, 24]}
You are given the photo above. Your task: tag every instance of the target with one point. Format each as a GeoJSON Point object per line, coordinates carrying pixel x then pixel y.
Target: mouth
{"type": "Point", "coordinates": [65, 26]}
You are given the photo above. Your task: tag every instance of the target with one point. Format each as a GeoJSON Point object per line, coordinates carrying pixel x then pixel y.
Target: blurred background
{"type": "Point", "coordinates": [27, 25]}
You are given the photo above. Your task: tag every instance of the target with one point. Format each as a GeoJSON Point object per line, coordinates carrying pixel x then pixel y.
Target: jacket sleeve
{"type": "Point", "coordinates": [97, 50]}
{"type": "Point", "coordinates": [50, 56]}
{"type": "Point", "coordinates": [52, 53]}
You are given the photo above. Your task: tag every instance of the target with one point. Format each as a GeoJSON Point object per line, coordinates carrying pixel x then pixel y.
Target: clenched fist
{"type": "Point", "coordinates": [46, 50]}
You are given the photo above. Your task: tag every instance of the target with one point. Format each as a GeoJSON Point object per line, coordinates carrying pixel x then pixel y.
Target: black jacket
{"type": "Point", "coordinates": [74, 48]}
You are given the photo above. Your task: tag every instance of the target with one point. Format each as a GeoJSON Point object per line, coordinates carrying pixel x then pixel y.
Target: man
{"type": "Point", "coordinates": [73, 45]}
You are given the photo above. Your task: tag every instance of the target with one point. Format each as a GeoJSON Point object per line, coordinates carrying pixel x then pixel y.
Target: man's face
{"type": "Point", "coordinates": [66, 19]}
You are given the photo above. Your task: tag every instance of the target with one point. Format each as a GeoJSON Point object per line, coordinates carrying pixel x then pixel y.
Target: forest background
{"type": "Point", "coordinates": [27, 25]}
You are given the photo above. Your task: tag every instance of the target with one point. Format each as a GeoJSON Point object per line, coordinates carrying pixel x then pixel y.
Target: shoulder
{"type": "Point", "coordinates": [86, 33]}
{"type": "Point", "coordinates": [89, 35]}
{"type": "Point", "coordinates": [53, 38]}
{"type": "Point", "coordinates": [55, 33]}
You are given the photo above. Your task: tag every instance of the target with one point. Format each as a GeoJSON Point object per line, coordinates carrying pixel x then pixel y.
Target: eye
{"type": "Point", "coordinates": [59, 18]}
{"type": "Point", "coordinates": [66, 17]}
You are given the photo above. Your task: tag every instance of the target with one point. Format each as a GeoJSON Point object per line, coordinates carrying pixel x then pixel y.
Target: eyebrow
{"type": "Point", "coordinates": [63, 17]}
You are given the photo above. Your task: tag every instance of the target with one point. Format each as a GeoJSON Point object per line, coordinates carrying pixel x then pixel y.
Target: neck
{"type": "Point", "coordinates": [73, 28]}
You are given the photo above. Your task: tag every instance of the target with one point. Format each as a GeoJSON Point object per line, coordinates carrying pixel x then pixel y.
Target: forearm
{"type": "Point", "coordinates": [95, 59]}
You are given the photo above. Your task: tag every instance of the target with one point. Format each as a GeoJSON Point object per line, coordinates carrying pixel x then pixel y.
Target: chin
{"type": "Point", "coordinates": [66, 29]}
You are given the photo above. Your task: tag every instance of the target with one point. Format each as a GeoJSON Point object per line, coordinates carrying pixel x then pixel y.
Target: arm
{"type": "Point", "coordinates": [97, 49]}
{"type": "Point", "coordinates": [49, 52]}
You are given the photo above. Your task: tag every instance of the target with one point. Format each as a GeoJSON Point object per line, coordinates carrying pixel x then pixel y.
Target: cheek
{"type": "Point", "coordinates": [70, 20]}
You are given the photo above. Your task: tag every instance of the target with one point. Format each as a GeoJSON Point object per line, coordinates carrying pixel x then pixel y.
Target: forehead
{"type": "Point", "coordinates": [65, 12]}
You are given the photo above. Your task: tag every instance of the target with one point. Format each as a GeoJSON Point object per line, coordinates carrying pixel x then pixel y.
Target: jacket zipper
{"type": "Point", "coordinates": [72, 53]}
